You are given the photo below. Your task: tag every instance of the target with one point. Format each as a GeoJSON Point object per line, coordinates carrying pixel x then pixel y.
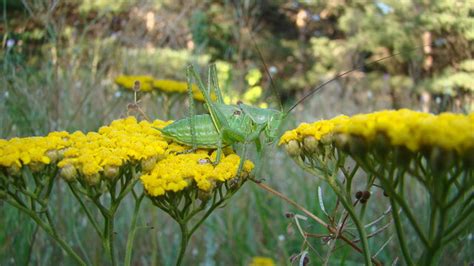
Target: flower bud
{"type": "Point", "coordinates": [305, 260]}
{"type": "Point", "coordinates": [93, 179]}
{"type": "Point", "coordinates": [60, 154]}
{"type": "Point", "coordinates": [68, 173]}
{"type": "Point", "coordinates": [310, 144]}
{"type": "Point", "coordinates": [53, 155]}
{"type": "Point", "coordinates": [148, 164]}
{"type": "Point", "coordinates": [244, 175]}
{"type": "Point", "coordinates": [136, 86]}
{"type": "Point", "coordinates": [111, 171]}
{"type": "Point", "coordinates": [293, 148]}
{"type": "Point", "coordinates": [366, 195]}
{"type": "Point", "coordinates": [235, 182]}
{"type": "Point", "coordinates": [327, 139]}
{"type": "Point", "coordinates": [204, 196]}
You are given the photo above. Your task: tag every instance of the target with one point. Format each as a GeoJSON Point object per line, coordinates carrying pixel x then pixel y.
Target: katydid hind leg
{"type": "Point", "coordinates": [217, 116]}
{"type": "Point", "coordinates": [192, 114]}
{"type": "Point", "coordinates": [215, 83]}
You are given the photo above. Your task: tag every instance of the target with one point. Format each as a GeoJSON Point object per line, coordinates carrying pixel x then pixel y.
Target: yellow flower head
{"type": "Point", "coordinates": [262, 261]}
{"type": "Point", "coordinates": [177, 172]}
{"type": "Point", "coordinates": [318, 130]}
{"type": "Point", "coordinates": [173, 86]}
{"type": "Point", "coordinates": [128, 82]}
{"type": "Point", "coordinates": [410, 129]}
{"type": "Point", "coordinates": [123, 141]}
{"type": "Point", "coordinates": [31, 150]}
{"type": "Point", "coordinates": [165, 85]}
{"type": "Point", "coordinates": [97, 155]}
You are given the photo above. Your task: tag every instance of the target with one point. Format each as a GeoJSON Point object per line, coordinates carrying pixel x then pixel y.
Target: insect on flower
{"type": "Point", "coordinates": [228, 124]}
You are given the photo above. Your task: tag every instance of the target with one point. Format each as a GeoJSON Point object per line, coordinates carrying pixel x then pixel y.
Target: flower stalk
{"type": "Point", "coordinates": [394, 148]}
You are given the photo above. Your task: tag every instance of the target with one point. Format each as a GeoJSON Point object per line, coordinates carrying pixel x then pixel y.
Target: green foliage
{"type": "Point", "coordinates": [452, 81]}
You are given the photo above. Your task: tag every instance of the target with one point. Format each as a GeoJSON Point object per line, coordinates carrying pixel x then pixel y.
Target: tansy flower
{"type": "Point", "coordinates": [177, 172]}
{"type": "Point", "coordinates": [262, 261]}
{"type": "Point", "coordinates": [128, 82]}
{"type": "Point", "coordinates": [410, 129]}
{"type": "Point", "coordinates": [147, 83]}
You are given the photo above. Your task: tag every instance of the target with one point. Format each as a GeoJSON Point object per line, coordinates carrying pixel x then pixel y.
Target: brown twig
{"type": "Point", "coordinates": [331, 229]}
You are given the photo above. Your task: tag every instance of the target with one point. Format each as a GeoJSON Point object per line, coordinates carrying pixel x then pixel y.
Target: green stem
{"type": "Point", "coordinates": [86, 210]}
{"type": "Point", "coordinates": [133, 230]}
{"type": "Point", "coordinates": [433, 250]}
{"type": "Point", "coordinates": [393, 194]}
{"type": "Point", "coordinates": [458, 226]}
{"type": "Point", "coordinates": [126, 190]}
{"type": "Point", "coordinates": [348, 207]}
{"type": "Point", "coordinates": [208, 212]}
{"type": "Point", "coordinates": [111, 235]}
{"type": "Point", "coordinates": [357, 223]}
{"type": "Point", "coordinates": [49, 231]}
{"type": "Point", "coordinates": [400, 233]}
{"type": "Point", "coordinates": [108, 239]}
{"type": "Point", "coordinates": [432, 227]}
{"type": "Point", "coordinates": [184, 242]}
{"type": "Point", "coordinates": [32, 243]}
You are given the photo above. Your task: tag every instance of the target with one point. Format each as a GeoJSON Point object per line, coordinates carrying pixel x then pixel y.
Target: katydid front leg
{"type": "Point", "coordinates": [255, 136]}
{"type": "Point", "coordinates": [228, 135]}
{"type": "Point", "coordinates": [248, 137]}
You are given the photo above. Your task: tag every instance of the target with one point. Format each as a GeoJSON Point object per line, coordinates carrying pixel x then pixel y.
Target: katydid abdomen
{"type": "Point", "coordinates": [206, 134]}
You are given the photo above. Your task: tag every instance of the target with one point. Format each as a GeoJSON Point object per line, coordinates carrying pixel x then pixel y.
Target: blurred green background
{"type": "Point", "coordinates": [59, 59]}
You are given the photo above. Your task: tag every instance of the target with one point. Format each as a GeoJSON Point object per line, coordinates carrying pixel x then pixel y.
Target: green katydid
{"type": "Point", "coordinates": [223, 126]}
{"type": "Point", "coordinates": [230, 124]}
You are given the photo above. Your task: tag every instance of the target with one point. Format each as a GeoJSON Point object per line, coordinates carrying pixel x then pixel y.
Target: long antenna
{"type": "Point", "coordinates": [345, 73]}
{"type": "Point", "coordinates": [272, 84]}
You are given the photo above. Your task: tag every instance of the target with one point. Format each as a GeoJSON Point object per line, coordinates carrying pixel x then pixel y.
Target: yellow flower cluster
{"type": "Point", "coordinates": [101, 154]}
{"type": "Point", "coordinates": [318, 129]}
{"type": "Point", "coordinates": [173, 86]}
{"type": "Point", "coordinates": [176, 172]}
{"type": "Point", "coordinates": [128, 82]}
{"type": "Point", "coordinates": [411, 129]}
{"type": "Point", "coordinates": [32, 151]}
{"type": "Point", "coordinates": [262, 261]}
{"type": "Point", "coordinates": [164, 85]}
